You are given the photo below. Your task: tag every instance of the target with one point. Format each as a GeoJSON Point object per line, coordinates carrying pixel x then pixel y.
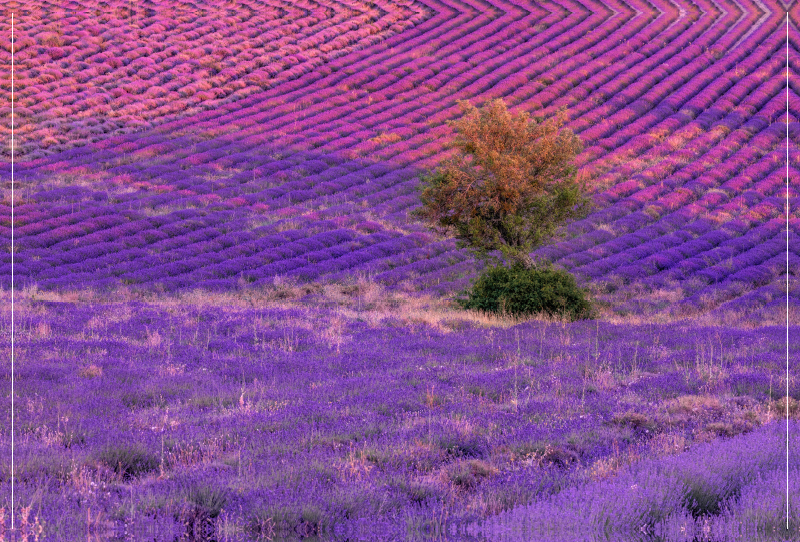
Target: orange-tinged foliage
{"type": "Point", "coordinates": [510, 184]}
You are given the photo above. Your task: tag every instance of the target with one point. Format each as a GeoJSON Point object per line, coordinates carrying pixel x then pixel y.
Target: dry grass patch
{"type": "Point", "coordinates": [385, 138]}
{"type": "Point", "coordinates": [170, 369]}
{"type": "Point", "coordinates": [90, 371]}
{"type": "Point", "coordinates": [609, 466]}
{"type": "Point", "coordinates": [605, 468]}
{"type": "Point", "coordinates": [668, 444]}
{"type": "Point", "coordinates": [361, 299]}
{"type": "Point", "coordinates": [42, 331]}
{"type": "Point", "coordinates": [695, 404]}
{"type": "Point", "coordinates": [724, 417]}
{"type": "Point", "coordinates": [356, 465]}
{"type": "Point", "coordinates": [334, 333]}
{"type": "Point", "coordinates": [420, 457]}
{"type": "Point", "coordinates": [725, 429]}
{"type": "Point", "coordinates": [779, 407]}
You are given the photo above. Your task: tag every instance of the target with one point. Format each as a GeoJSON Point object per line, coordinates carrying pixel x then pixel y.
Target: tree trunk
{"type": "Point", "coordinates": [524, 259]}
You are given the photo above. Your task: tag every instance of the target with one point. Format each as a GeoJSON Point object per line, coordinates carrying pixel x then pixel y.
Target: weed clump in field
{"type": "Point", "coordinates": [128, 461]}
{"type": "Point", "coordinates": [202, 505]}
{"type": "Point", "coordinates": [524, 291]}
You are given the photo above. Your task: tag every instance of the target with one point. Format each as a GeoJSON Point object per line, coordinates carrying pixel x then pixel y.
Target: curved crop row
{"type": "Point", "coordinates": [679, 109]}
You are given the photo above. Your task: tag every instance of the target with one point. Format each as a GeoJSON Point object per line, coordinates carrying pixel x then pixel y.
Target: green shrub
{"type": "Point", "coordinates": [466, 475]}
{"type": "Point", "coordinates": [128, 460]}
{"type": "Point", "coordinates": [521, 291]}
{"type": "Point", "coordinates": [416, 492]}
{"type": "Point", "coordinates": [459, 446]}
{"type": "Point", "coordinates": [208, 500]}
{"type": "Point", "coordinates": [200, 505]}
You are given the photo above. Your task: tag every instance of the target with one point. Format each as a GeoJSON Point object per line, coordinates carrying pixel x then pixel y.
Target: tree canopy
{"type": "Point", "coordinates": [510, 184]}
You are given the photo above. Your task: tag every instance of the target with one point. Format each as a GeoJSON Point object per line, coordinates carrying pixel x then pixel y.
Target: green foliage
{"type": "Point", "coordinates": [416, 492]}
{"type": "Point", "coordinates": [312, 520]}
{"type": "Point", "coordinates": [269, 520]}
{"type": "Point", "coordinates": [467, 475]}
{"type": "Point", "coordinates": [52, 467]}
{"type": "Point", "coordinates": [72, 438]}
{"type": "Point", "coordinates": [128, 460]}
{"type": "Point", "coordinates": [524, 291]}
{"type": "Point", "coordinates": [200, 506]}
{"type": "Point", "coordinates": [703, 500]}
{"type": "Point", "coordinates": [209, 500]}
{"type": "Point", "coordinates": [636, 421]}
{"type": "Point", "coordinates": [459, 446]}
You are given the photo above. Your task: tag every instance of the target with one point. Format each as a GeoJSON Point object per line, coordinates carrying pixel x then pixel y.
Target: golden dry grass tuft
{"type": "Point", "coordinates": [696, 404]}
{"type": "Point", "coordinates": [90, 371]}
{"type": "Point", "coordinates": [365, 299]}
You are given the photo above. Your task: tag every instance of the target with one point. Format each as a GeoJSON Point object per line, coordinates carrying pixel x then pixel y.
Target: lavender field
{"type": "Point", "coordinates": [229, 326]}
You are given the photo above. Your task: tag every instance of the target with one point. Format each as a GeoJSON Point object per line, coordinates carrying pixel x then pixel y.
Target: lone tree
{"type": "Point", "coordinates": [509, 187]}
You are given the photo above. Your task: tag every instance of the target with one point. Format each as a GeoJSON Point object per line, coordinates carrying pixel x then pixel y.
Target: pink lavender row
{"type": "Point", "coordinates": [384, 179]}
{"type": "Point", "coordinates": [453, 275]}
{"type": "Point", "coordinates": [761, 301]}
{"type": "Point", "coordinates": [130, 234]}
{"type": "Point", "coordinates": [139, 265]}
{"type": "Point", "coordinates": [699, 258]}
{"type": "Point", "coordinates": [698, 146]}
{"type": "Point", "coordinates": [689, 192]}
{"type": "Point", "coordinates": [690, 65]}
{"type": "Point", "coordinates": [371, 247]}
{"type": "Point", "coordinates": [133, 81]}
{"type": "Point", "coordinates": [196, 257]}
{"type": "Point", "coordinates": [640, 255]}
{"type": "Point", "coordinates": [316, 99]}
{"type": "Point", "coordinates": [390, 271]}
{"type": "Point", "coordinates": [672, 128]}
{"type": "Point", "coordinates": [672, 168]}
{"type": "Point", "coordinates": [635, 52]}
{"type": "Point", "coordinates": [269, 249]}
{"type": "Point", "coordinates": [765, 301]}
{"type": "Point", "coordinates": [622, 221]}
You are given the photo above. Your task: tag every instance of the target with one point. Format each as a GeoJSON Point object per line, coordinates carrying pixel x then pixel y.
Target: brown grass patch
{"type": "Point", "coordinates": [779, 407]}
{"type": "Point", "coordinates": [668, 444]}
{"type": "Point", "coordinates": [635, 420]}
{"type": "Point", "coordinates": [695, 404]}
{"type": "Point", "coordinates": [90, 371]}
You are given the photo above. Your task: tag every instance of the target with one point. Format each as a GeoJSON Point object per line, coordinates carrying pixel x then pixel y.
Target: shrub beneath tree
{"type": "Point", "coordinates": [524, 291]}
